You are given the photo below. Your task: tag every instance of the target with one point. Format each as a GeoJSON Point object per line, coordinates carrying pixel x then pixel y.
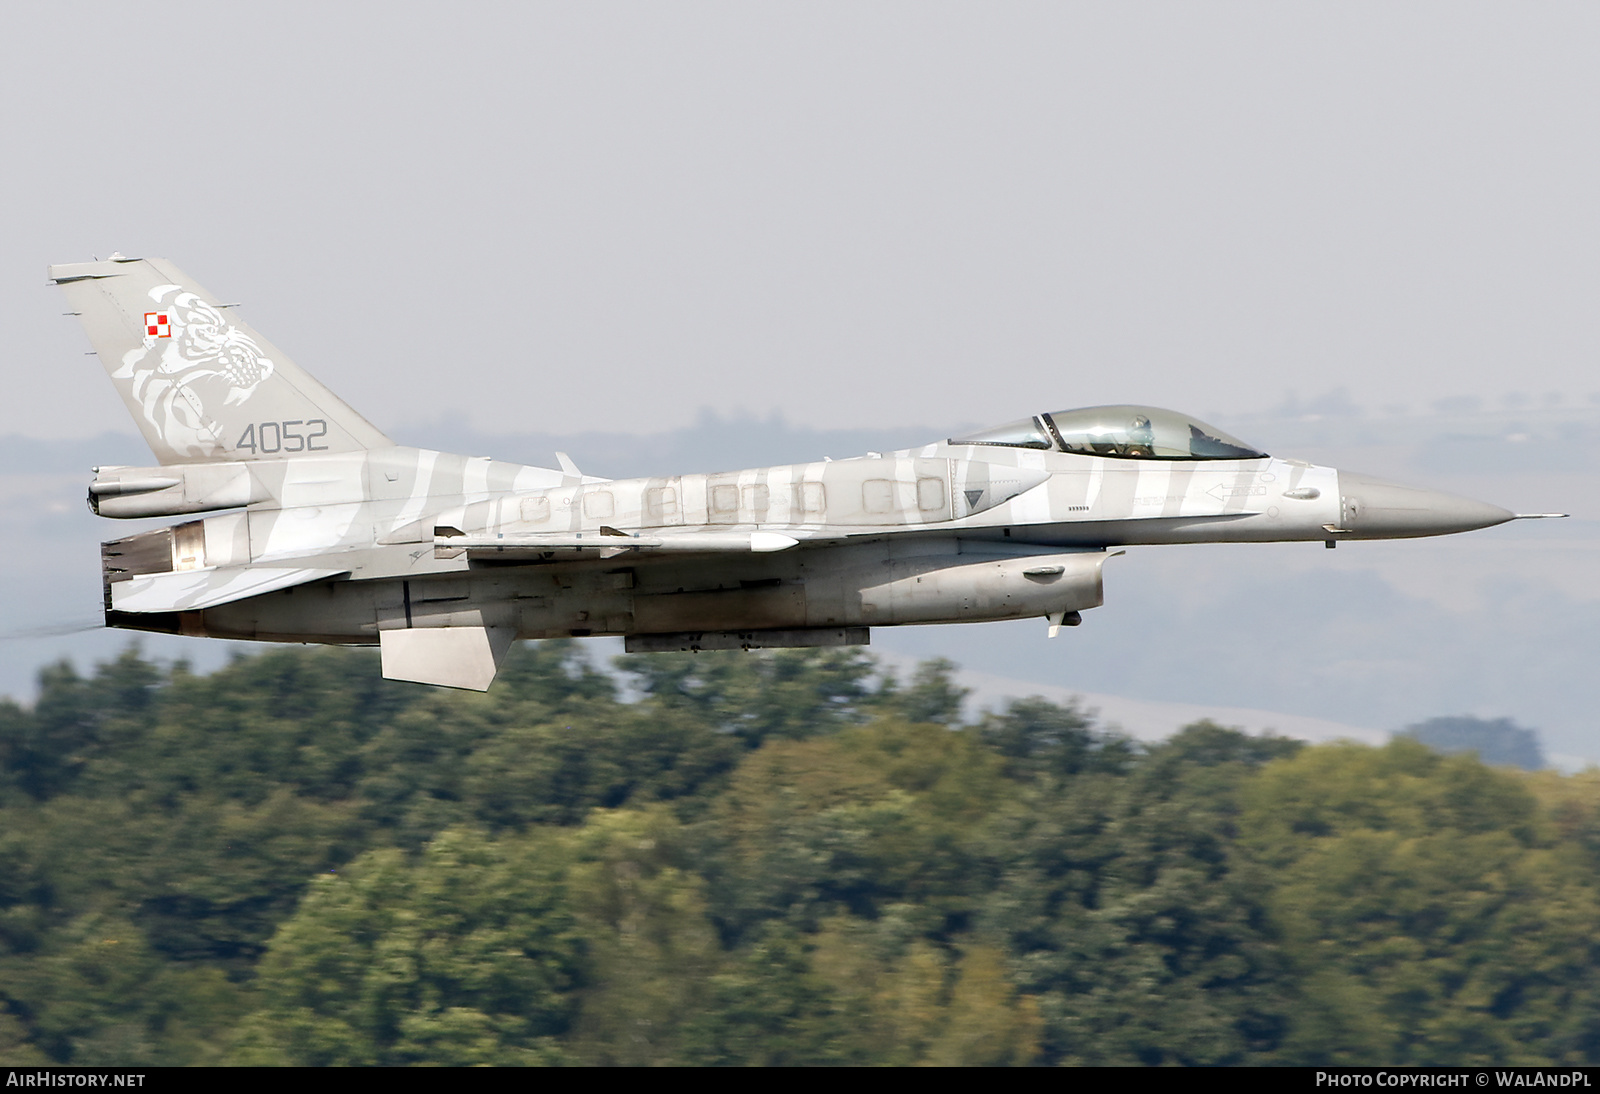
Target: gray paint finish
{"type": "Point", "coordinates": [323, 530]}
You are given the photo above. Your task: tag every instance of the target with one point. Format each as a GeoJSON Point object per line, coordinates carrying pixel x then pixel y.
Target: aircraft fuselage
{"type": "Point", "coordinates": [944, 533]}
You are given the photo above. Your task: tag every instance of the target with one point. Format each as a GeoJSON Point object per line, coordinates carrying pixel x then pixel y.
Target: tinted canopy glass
{"type": "Point", "coordinates": [1144, 432]}
{"type": "Point", "coordinates": [1121, 432]}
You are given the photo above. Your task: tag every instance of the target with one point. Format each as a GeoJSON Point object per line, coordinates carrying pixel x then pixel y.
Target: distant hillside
{"type": "Point", "coordinates": [1498, 741]}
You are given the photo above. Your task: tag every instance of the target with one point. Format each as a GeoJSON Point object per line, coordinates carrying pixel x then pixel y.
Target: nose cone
{"type": "Point", "coordinates": [1374, 509]}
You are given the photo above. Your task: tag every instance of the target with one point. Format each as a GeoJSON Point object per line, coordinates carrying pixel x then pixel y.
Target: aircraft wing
{"type": "Point", "coordinates": [192, 590]}
{"type": "Point", "coordinates": [607, 543]}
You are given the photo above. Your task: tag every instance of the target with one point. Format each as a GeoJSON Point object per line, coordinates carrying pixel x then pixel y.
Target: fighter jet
{"type": "Point", "coordinates": [322, 529]}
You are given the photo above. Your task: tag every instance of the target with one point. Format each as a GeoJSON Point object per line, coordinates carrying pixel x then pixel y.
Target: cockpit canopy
{"type": "Point", "coordinates": [1121, 432]}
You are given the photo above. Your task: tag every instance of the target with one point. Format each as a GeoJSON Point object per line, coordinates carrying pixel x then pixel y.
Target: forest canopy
{"type": "Point", "coordinates": [769, 858]}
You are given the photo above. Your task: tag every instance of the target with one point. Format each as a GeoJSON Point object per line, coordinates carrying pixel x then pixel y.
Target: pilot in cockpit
{"type": "Point", "coordinates": [1141, 438]}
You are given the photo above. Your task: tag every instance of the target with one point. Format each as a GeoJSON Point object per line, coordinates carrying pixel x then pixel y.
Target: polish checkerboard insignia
{"type": "Point", "coordinates": [158, 324]}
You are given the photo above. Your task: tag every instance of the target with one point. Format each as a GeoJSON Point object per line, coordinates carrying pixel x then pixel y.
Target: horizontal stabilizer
{"type": "Point", "coordinates": [192, 590]}
{"type": "Point", "coordinates": [452, 657]}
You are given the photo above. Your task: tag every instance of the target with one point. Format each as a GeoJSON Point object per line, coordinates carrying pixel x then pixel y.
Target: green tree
{"type": "Point", "coordinates": [1428, 911]}
{"type": "Point", "coordinates": [931, 696]}
{"type": "Point", "coordinates": [1126, 910]}
{"type": "Point", "coordinates": [756, 696]}
{"type": "Point", "coordinates": [651, 949]}
{"type": "Point", "coordinates": [1041, 740]}
{"type": "Point", "coordinates": [766, 1007]}
{"type": "Point", "coordinates": [470, 955]}
{"type": "Point", "coordinates": [909, 1000]}
{"type": "Point", "coordinates": [75, 720]}
{"type": "Point", "coordinates": [98, 995]}
{"type": "Point", "coordinates": [887, 813]}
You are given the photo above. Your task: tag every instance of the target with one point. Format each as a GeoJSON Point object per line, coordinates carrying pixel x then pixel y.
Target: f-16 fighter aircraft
{"type": "Point", "coordinates": [324, 530]}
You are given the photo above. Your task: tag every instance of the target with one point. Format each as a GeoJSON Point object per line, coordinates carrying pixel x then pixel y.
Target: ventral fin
{"type": "Point", "coordinates": [451, 657]}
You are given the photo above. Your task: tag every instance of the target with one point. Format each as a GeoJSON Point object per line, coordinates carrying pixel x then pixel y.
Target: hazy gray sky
{"type": "Point", "coordinates": [584, 216]}
{"type": "Point", "coordinates": [537, 221]}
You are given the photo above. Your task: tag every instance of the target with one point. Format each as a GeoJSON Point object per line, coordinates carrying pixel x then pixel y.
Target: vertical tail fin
{"type": "Point", "coordinates": [199, 382]}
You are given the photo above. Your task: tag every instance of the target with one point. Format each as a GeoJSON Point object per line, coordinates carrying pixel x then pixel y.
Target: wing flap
{"type": "Point", "coordinates": [192, 590]}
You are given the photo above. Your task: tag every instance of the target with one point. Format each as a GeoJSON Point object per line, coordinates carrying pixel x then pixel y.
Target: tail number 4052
{"type": "Point", "coordinates": [296, 436]}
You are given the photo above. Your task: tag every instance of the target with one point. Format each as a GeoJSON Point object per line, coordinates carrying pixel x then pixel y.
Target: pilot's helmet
{"type": "Point", "coordinates": [1141, 424]}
